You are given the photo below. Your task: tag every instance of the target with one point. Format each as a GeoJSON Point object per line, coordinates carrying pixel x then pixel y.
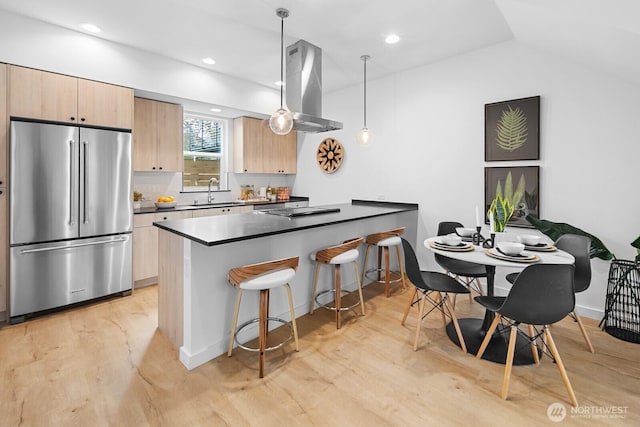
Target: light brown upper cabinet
{"type": "Point", "coordinates": [258, 150]}
{"type": "Point", "coordinates": [157, 136]}
{"type": "Point", "coordinates": [43, 95]}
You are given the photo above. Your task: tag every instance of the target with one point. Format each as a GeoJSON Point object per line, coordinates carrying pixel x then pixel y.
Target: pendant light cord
{"type": "Point", "coordinates": [281, 59]}
{"type": "Point", "coordinates": [365, 92]}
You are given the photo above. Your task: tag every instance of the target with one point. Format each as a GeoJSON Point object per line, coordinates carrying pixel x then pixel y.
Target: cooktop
{"type": "Point", "coordinates": [295, 212]}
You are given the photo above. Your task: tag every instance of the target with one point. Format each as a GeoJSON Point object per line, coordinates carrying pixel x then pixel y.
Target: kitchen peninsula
{"type": "Point", "coordinates": [195, 301]}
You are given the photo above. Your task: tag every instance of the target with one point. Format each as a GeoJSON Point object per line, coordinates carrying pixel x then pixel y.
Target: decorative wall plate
{"type": "Point", "coordinates": [330, 155]}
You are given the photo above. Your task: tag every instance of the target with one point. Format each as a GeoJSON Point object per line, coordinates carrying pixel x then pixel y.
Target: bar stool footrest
{"type": "Point", "coordinates": [342, 293]}
{"type": "Point", "coordinates": [381, 271]}
{"type": "Point", "coordinates": [256, 320]}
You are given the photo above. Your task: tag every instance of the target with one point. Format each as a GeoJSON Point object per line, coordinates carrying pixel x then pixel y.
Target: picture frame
{"type": "Point", "coordinates": [512, 130]}
{"type": "Point", "coordinates": [525, 180]}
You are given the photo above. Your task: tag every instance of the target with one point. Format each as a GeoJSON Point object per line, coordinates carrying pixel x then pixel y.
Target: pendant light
{"type": "Point", "coordinates": [364, 135]}
{"type": "Point", "coordinates": [281, 122]}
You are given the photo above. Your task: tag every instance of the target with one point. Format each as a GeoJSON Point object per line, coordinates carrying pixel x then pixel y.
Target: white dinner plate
{"type": "Point", "coordinates": [524, 257]}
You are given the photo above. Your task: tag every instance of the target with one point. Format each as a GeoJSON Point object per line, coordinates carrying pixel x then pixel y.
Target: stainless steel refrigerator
{"type": "Point", "coordinates": [71, 215]}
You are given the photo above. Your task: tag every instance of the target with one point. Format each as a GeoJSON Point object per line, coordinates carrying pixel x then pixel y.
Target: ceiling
{"type": "Point", "coordinates": [243, 36]}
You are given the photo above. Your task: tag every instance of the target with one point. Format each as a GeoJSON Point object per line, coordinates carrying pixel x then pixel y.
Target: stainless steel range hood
{"type": "Point", "coordinates": [304, 88]}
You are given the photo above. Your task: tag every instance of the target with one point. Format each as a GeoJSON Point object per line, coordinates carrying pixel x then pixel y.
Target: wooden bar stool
{"type": "Point", "coordinates": [263, 277]}
{"type": "Point", "coordinates": [338, 255]}
{"type": "Point", "coordinates": [383, 241]}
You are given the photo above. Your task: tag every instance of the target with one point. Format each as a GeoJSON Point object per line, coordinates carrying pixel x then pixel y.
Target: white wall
{"type": "Point", "coordinates": [428, 146]}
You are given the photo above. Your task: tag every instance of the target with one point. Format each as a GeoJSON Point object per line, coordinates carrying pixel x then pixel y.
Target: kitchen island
{"type": "Point", "coordinates": [195, 300]}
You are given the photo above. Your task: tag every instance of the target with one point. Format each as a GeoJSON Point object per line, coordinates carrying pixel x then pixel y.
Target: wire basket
{"type": "Point", "coordinates": [622, 309]}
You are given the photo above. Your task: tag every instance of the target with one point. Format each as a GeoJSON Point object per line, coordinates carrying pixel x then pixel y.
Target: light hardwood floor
{"type": "Point", "coordinates": [107, 365]}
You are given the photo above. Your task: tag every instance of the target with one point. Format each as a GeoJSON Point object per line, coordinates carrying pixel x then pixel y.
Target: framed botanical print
{"type": "Point", "coordinates": [520, 185]}
{"type": "Point", "coordinates": [512, 130]}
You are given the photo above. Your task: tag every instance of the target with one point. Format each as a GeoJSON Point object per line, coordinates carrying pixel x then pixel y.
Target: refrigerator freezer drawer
{"type": "Point", "coordinates": [45, 276]}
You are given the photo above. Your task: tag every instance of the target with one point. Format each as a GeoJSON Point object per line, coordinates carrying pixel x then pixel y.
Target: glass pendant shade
{"type": "Point", "coordinates": [364, 136]}
{"type": "Point", "coordinates": [281, 122]}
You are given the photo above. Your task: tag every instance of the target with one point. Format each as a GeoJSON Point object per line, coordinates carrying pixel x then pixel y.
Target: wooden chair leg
{"type": "Point", "coordinates": [359, 283]}
{"type": "Point", "coordinates": [315, 288]}
{"type": "Point", "coordinates": [409, 303]}
{"type": "Point", "coordinates": [364, 265]}
{"type": "Point", "coordinates": [379, 276]}
{"type": "Point", "coordinates": [387, 273]}
{"type": "Point", "coordinates": [479, 285]}
{"type": "Point", "coordinates": [584, 332]}
{"type": "Point", "coordinates": [440, 300]}
{"type": "Point", "coordinates": [263, 326]}
{"type": "Point", "coordinates": [338, 297]}
{"type": "Point", "coordinates": [489, 334]}
{"type": "Point", "coordinates": [563, 372]}
{"type": "Point", "coordinates": [509, 362]}
{"type": "Point", "coordinates": [534, 347]}
{"type": "Point", "coordinates": [293, 316]}
{"type": "Point", "coordinates": [401, 264]}
{"type": "Point", "coordinates": [419, 323]}
{"type": "Point", "coordinates": [234, 322]}
{"type": "Point", "coordinates": [454, 319]}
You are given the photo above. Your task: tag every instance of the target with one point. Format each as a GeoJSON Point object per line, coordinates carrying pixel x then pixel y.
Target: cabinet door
{"type": "Point", "coordinates": [144, 135]}
{"type": "Point", "coordinates": [169, 136]}
{"type": "Point", "coordinates": [102, 104]}
{"type": "Point", "coordinates": [288, 152]}
{"type": "Point", "coordinates": [42, 95]}
{"type": "Point", "coordinates": [145, 252]}
{"type": "Point", "coordinates": [248, 145]}
{"type": "Point", "coordinates": [3, 126]}
{"type": "Point", "coordinates": [280, 151]}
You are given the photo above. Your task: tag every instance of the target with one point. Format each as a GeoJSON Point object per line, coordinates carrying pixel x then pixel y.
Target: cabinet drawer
{"type": "Point", "coordinates": [143, 220]}
{"type": "Point", "coordinates": [164, 216]}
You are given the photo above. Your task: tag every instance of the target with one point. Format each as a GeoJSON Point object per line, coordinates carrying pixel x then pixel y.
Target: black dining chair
{"type": "Point", "coordinates": [434, 288]}
{"type": "Point", "coordinates": [542, 294]}
{"type": "Point", "coordinates": [467, 272]}
{"type": "Point", "coordinates": [579, 247]}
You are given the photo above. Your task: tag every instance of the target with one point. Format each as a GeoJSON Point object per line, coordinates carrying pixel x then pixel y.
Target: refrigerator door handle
{"type": "Point", "coordinates": [86, 182]}
{"type": "Point", "coordinates": [77, 245]}
{"type": "Point", "coordinates": [72, 213]}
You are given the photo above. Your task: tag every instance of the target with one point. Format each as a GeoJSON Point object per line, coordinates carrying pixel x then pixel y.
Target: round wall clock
{"type": "Point", "coordinates": [330, 155]}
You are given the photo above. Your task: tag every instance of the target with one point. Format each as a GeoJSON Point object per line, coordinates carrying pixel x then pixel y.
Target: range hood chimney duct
{"type": "Point", "coordinates": [304, 88]}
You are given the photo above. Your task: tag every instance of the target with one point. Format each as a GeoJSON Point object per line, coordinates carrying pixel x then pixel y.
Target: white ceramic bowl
{"type": "Point", "coordinates": [529, 239]}
{"type": "Point", "coordinates": [465, 232]}
{"type": "Point", "coordinates": [510, 248]}
{"type": "Point", "coordinates": [451, 239]}
{"type": "Point", "coordinates": [167, 205]}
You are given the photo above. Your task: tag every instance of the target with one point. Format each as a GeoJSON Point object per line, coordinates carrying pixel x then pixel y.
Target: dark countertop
{"type": "Point", "coordinates": [153, 209]}
{"type": "Point", "coordinates": [218, 230]}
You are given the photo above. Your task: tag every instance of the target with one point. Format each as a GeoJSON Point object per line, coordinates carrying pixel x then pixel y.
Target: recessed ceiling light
{"type": "Point", "coordinates": [392, 39]}
{"type": "Point", "coordinates": [91, 28]}
{"type": "Point", "coordinates": [215, 110]}
{"type": "Point", "coordinates": [279, 83]}
{"type": "Point", "coordinates": [209, 60]}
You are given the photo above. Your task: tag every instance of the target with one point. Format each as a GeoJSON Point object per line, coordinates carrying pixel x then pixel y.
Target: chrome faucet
{"type": "Point", "coordinates": [212, 180]}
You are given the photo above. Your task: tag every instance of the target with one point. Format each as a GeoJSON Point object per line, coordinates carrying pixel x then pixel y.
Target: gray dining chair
{"type": "Point", "coordinates": [579, 247]}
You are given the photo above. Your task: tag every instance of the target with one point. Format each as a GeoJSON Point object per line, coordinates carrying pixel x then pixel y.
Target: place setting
{"type": "Point", "coordinates": [451, 242]}
{"type": "Point", "coordinates": [532, 243]}
{"type": "Point", "coordinates": [511, 251]}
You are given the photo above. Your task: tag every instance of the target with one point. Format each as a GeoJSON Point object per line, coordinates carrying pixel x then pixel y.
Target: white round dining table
{"type": "Point", "coordinates": [474, 329]}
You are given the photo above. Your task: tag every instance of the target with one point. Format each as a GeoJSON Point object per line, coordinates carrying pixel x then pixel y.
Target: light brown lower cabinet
{"type": "Point", "coordinates": [145, 239]}
{"type": "Point", "coordinates": [145, 245]}
{"type": "Point", "coordinates": [4, 260]}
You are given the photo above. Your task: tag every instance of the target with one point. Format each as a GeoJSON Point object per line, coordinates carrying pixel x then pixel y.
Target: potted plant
{"type": "Point", "coordinates": [500, 210]}
{"type": "Point", "coordinates": [137, 200]}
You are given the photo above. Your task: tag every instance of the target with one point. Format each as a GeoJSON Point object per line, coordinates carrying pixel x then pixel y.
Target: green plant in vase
{"type": "Point", "coordinates": [501, 209]}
